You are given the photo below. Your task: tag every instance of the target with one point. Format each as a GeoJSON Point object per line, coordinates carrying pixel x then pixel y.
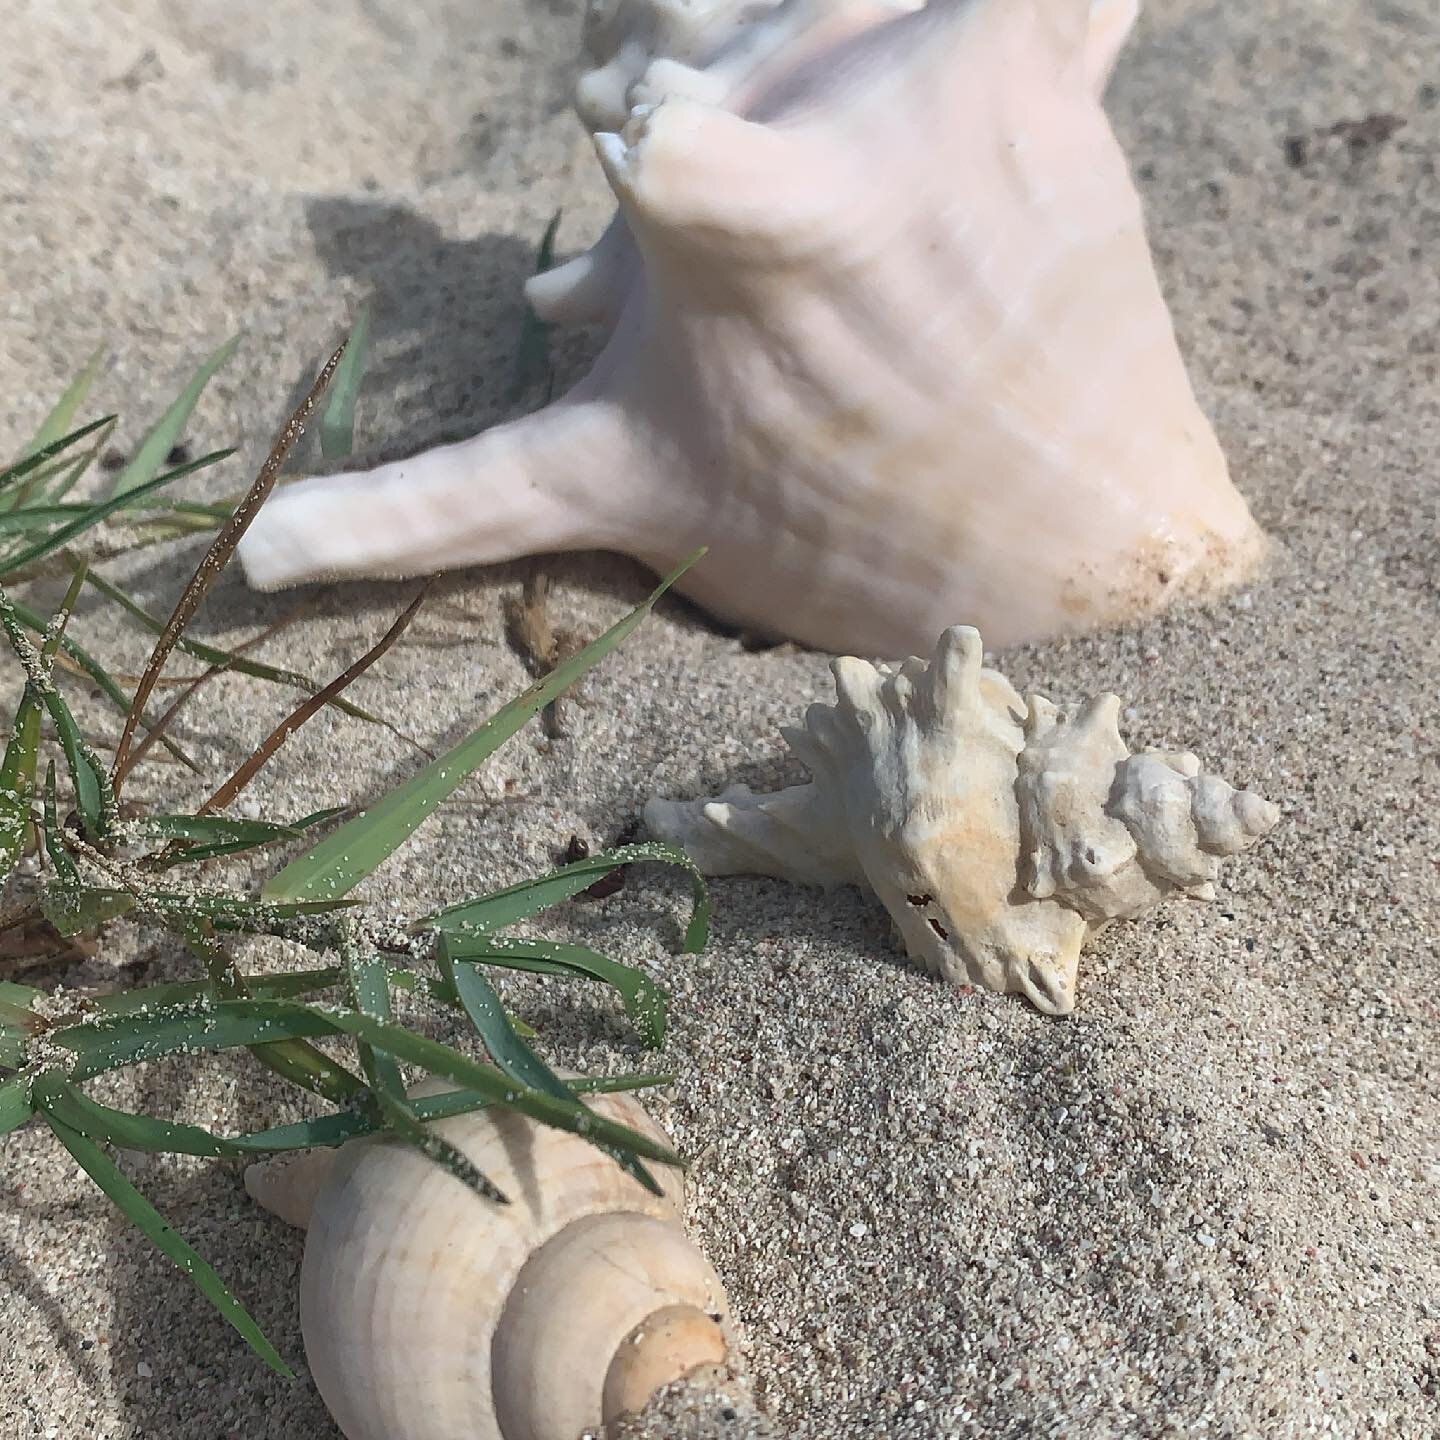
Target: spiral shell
{"type": "Point", "coordinates": [1000, 833]}
{"type": "Point", "coordinates": [431, 1314]}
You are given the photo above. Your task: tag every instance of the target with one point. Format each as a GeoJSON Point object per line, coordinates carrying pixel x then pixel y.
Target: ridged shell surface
{"type": "Point", "coordinates": [888, 339]}
{"type": "Point", "coordinates": [999, 833]}
{"type": "Point", "coordinates": [408, 1274]}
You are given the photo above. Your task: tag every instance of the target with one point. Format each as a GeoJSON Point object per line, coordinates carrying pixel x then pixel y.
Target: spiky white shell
{"type": "Point", "coordinates": [999, 832]}
{"type": "Point", "coordinates": [431, 1314]}
{"type": "Point", "coordinates": [888, 340]}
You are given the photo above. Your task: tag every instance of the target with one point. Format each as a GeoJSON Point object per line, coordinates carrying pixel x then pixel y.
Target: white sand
{"type": "Point", "coordinates": [1206, 1205]}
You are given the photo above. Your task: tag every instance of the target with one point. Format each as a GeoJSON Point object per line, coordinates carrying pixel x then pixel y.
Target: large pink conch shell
{"type": "Point", "coordinates": [888, 339]}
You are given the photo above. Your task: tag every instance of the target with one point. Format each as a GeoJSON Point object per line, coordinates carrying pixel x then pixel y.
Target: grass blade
{"type": "Point", "coordinates": [214, 829]}
{"type": "Point", "coordinates": [72, 1107]}
{"type": "Point", "coordinates": [69, 907]}
{"type": "Point", "coordinates": [60, 860]}
{"type": "Point", "coordinates": [150, 999]}
{"type": "Point", "coordinates": [139, 1211]}
{"type": "Point", "coordinates": [102, 510]}
{"type": "Point", "coordinates": [150, 456]}
{"type": "Point", "coordinates": [511, 1053]}
{"type": "Point", "coordinates": [343, 859]}
{"type": "Point", "coordinates": [450, 1065]}
{"type": "Point", "coordinates": [106, 1044]}
{"type": "Point", "coordinates": [66, 476]}
{"type": "Point", "coordinates": [302, 712]}
{"type": "Point", "coordinates": [370, 993]}
{"type": "Point", "coordinates": [532, 354]}
{"type": "Point", "coordinates": [644, 1000]}
{"type": "Point", "coordinates": [529, 897]}
{"type": "Point", "coordinates": [13, 474]}
{"type": "Point", "coordinates": [93, 794]}
{"type": "Point", "coordinates": [220, 551]}
{"type": "Point", "coordinates": [59, 419]}
{"type": "Point", "coordinates": [95, 670]}
{"type": "Point", "coordinates": [337, 424]}
{"type": "Point", "coordinates": [16, 1106]}
{"type": "Point", "coordinates": [17, 781]}
{"type": "Point", "coordinates": [110, 1043]}
{"type": "Point", "coordinates": [200, 853]}
{"type": "Point", "coordinates": [211, 655]}
{"type": "Point", "coordinates": [328, 1130]}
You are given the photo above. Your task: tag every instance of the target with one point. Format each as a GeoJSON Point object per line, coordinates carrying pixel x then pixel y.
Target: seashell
{"type": "Point", "coordinates": [431, 1314]}
{"type": "Point", "coordinates": [887, 338]}
{"type": "Point", "coordinates": [622, 38]}
{"type": "Point", "coordinates": [999, 833]}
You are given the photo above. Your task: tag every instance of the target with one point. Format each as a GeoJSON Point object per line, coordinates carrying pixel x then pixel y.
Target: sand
{"type": "Point", "coordinates": [1206, 1204]}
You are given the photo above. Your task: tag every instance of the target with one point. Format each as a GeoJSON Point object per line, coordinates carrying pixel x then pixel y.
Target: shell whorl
{"type": "Point", "coordinates": [431, 1314]}
{"type": "Point", "coordinates": [998, 832]}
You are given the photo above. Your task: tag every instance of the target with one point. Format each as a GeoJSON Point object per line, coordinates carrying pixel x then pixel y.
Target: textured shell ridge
{"type": "Point", "coordinates": [1000, 833]}
{"type": "Point", "coordinates": [883, 399]}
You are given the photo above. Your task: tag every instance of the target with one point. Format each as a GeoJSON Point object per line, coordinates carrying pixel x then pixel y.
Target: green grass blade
{"type": "Point", "coordinates": [328, 1130]}
{"type": "Point", "coordinates": [487, 1014]}
{"type": "Point", "coordinates": [450, 1065]}
{"type": "Point", "coordinates": [532, 354]}
{"type": "Point", "coordinates": [343, 859]}
{"type": "Point", "coordinates": [139, 1211]}
{"type": "Point", "coordinates": [65, 476]}
{"type": "Point", "coordinates": [337, 424]}
{"type": "Point", "coordinates": [510, 1052]}
{"type": "Point", "coordinates": [17, 781]}
{"type": "Point", "coordinates": [152, 998]}
{"type": "Point", "coordinates": [38, 517]}
{"type": "Point", "coordinates": [31, 620]}
{"type": "Point", "coordinates": [529, 897]}
{"type": "Point", "coordinates": [161, 440]}
{"type": "Point", "coordinates": [60, 859]}
{"type": "Point", "coordinates": [72, 1107]}
{"type": "Point", "coordinates": [102, 510]}
{"type": "Point", "coordinates": [181, 908]}
{"type": "Point", "coordinates": [12, 993]}
{"type": "Point", "coordinates": [109, 1043]}
{"type": "Point", "coordinates": [644, 1000]}
{"type": "Point", "coordinates": [59, 419]}
{"type": "Point", "coordinates": [213, 830]}
{"type": "Point", "coordinates": [370, 993]}
{"type": "Point", "coordinates": [13, 474]}
{"type": "Point", "coordinates": [16, 1106]}
{"type": "Point", "coordinates": [18, 1022]}
{"type": "Point", "coordinates": [69, 907]}
{"type": "Point", "coordinates": [93, 795]}
{"type": "Point", "coordinates": [196, 854]}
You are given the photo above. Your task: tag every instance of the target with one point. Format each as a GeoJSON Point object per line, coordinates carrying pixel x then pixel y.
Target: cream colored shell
{"type": "Point", "coordinates": [431, 1314]}
{"type": "Point", "coordinates": [1000, 833]}
{"type": "Point", "coordinates": [888, 339]}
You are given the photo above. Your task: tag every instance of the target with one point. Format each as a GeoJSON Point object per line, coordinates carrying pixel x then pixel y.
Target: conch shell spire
{"type": "Point", "coordinates": [1000, 833]}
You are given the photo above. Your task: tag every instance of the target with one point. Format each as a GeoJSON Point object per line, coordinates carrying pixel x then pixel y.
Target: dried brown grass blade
{"type": "Point", "coordinates": [297, 717]}
{"type": "Point", "coordinates": [158, 729]}
{"type": "Point", "coordinates": [214, 561]}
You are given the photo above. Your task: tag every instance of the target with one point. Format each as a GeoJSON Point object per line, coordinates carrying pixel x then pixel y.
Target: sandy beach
{"type": "Point", "coordinates": [1206, 1204]}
